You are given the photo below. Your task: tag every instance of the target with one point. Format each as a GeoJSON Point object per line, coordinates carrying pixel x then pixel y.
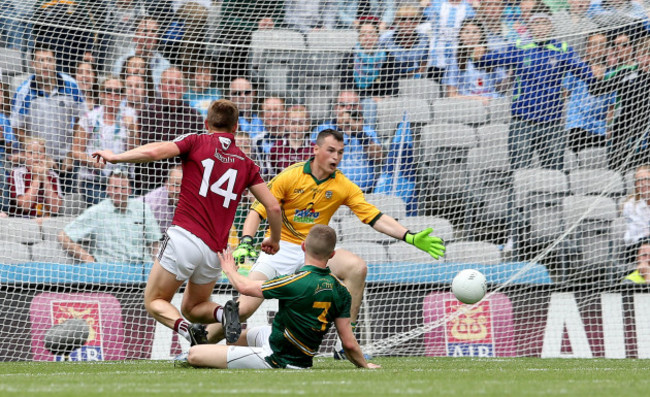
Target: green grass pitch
{"type": "Point", "coordinates": [399, 376]}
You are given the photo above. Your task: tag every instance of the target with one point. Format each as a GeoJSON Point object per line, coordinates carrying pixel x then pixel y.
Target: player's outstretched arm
{"type": "Point", "coordinates": [432, 245]}
{"type": "Point", "coordinates": [241, 283]}
{"type": "Point", "coordinates": [350, 345]}
{"type": "Point", "coordinates": [262, 193]}
{"type": "Point", "coordinates": [143, 154]}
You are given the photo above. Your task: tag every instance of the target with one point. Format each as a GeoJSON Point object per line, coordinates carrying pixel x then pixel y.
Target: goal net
{"type": "Point", "coordinates": [516, 130]}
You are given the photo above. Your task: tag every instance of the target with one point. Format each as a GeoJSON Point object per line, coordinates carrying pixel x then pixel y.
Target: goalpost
{"type": "Point", "coordinates": [516, 133]}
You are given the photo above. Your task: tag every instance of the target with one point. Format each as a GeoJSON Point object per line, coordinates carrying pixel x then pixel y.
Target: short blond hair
{"type": "Point", "coordinates": [320, 242]}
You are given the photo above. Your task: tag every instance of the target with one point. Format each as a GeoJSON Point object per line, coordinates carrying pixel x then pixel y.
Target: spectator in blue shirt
{"type": "Point", "coordinates": [587, 115]}
{"type": "Point", "coordinates": [444, 20]}
{"type": "Point", "coordinates": [48, 105]}
{"type": "Point", "coordinates": [363, 151]}
{"type": "Point", "coordinates": [369, 70]}
{"type": "Point", "coordinates": [463, 79]}
{"type": "Point", "coordinates": [538, 68]}
{"type": "Point", "coordinates": [202, 91]}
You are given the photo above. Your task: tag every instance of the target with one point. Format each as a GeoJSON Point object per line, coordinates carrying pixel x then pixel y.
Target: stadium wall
{"type": "Point", "coordinates": [607, 323]}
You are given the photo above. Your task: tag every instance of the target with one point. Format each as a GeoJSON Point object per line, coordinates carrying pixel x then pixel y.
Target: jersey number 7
{"type": "Point", "coordinates": [229, 176]}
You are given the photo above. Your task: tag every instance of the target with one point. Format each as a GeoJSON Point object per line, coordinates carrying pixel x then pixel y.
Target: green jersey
{"type": "Point", "coordinates": [309, 301]}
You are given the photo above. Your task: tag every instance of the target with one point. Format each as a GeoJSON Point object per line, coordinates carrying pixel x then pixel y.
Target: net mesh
{"type": "Point", "coordinates": [515, 129]}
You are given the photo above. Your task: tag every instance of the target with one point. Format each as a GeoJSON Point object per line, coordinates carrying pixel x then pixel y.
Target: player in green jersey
{"type": "Point", "coordinates": [311, 300]}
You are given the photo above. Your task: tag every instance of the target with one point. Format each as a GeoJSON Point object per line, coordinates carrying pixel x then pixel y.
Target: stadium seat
{"type": "Point", "coordinates": [12, 253]}
{"type": "Point", "coordinates": [50, 252]}
{"type": "Point", "coordinates": [538, 204]}
{"type": "Point", "coordinates": [390, 205]}
{"type": "Point", "coordinates": [595, 157]}
{"type": "Point", "coordinates": [499, 110]}
{"type": "Point", "coordinates": [402, 252]}
{"type": "Point", "coordinates": [493, 137]}
{"type": "Point", "coordinates": [11, 61]}
{"type": "Point", "coordinates": [419, 88]}
{"type": "Point", "coordinates": [274, 55]}
{"type": "Point", "coordinates": [597, 181]}
{"type": "Point", "coordinates": [354, 229]}
{"type": "Point", "coordinates": [629, 182]}
{"type": "Point", "coordinates": [473, 252]}
{"type": "Point", "coordinates": [50, 227]}
{"type": "Point", "coordinates": [443, 155]}
{"type": "Point", "coordinates": [19, 230]}
{"type": "Point", "coordinates": [332, 39]}
{"type": "Point", "coordinates": [16, 81]}
{"type": "Point", "coordinates": [590, 219]}
{"type": "Point", "coordinates": [441, 227]}
{"type": "Point", "coordinates": [391, 111]}
{"type": "Point", "coordinates": [570, 160]}
{"type": "Point", "coordinates": [372, 253]}
{"type": "Point", "coordinates": [73, 204]}
{"type": "Point", "coordinates": [458, 110]}
{"type": "Point", "coordinates": [319, 96]}
{"type": "Point", "coordinates": [488, 215]}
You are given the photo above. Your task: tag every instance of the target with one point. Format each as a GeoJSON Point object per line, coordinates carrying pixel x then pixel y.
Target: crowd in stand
{"type": "Point", "coordinates": [114, 74]}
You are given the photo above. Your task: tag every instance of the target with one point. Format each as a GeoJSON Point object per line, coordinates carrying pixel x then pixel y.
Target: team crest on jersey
{"type": "Point", "coordinates": [328, 194]}
{"type": "Point", "coordinates": [225, 142]}
{"type": "Point", "coordinates": [308, 215]}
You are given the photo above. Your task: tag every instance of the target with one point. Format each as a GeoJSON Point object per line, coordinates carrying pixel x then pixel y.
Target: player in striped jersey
{"type": "Point", "coordinates": [311, 300]}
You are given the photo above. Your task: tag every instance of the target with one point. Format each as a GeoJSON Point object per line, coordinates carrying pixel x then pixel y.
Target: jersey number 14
{"type": "Point", "coordinates": [229, 176]}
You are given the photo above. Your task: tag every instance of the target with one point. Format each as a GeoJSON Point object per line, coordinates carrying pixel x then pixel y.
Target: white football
{"type": "Point", "coordinates": [469, 286]}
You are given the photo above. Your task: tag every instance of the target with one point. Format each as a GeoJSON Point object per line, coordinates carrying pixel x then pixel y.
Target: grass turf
{"type": "Point", "coordinates": [399, 376]}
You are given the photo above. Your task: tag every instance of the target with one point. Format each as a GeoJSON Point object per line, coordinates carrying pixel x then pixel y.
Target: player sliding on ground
{"type": "Point", "coordinates": [311, 300]}
{"type": "Point", "coordinates": [309, 193]}
{"type": "Point", "coordinates": [215, 174]}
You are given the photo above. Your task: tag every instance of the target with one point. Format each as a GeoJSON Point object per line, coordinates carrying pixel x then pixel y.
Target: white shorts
{"type": "Point", "coordinates": [289, 259]}
{"type": "Point", "coordinates": [251, 356]}
{"type": "Point", "coordinates": [188, 257]}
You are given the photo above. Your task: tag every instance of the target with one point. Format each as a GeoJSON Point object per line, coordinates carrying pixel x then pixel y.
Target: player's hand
{"type": "Point", "coordinates": [270, 247]}
{"type": "Point", "coordinates": [105, 156]}
{"type": "Point", "coordinates": [433, 245]}
{"type": "Point", "coordinates": [227, 262]}
{"type": "Point", "coordinates": [373, 366]}
{"type": "Point", "coordinates": [245, 249]}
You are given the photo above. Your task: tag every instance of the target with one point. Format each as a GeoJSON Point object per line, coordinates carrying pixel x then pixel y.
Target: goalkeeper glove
{"type": "Point", "coordinates": [243, 250]}
{"type": "Point", "coordinates": [432, 245]}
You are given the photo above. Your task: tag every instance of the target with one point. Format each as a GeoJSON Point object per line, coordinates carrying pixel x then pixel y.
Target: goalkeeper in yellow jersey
{"type": "Point", "coordinates": [309, 193]}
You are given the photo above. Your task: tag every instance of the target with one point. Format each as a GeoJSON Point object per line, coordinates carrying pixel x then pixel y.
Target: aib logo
{"type": "Point", "coordinates": [89, 312]}
{"type": "Point", "coordinates": [469, 329]}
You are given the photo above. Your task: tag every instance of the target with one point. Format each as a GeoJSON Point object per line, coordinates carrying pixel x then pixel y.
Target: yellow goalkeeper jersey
{"type": "Point", "coordinates": [306, 201]}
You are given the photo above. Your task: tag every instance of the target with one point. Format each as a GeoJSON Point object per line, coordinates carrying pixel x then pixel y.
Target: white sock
{"type": "Point", "coordinates": [182, 327]}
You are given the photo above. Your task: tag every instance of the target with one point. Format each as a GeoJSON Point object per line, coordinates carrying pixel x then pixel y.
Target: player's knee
{"type": "Point", "coordinates": [193, 358]}
{"type": "Point", "coordinates": [187, 313]}
{"type": "Point", "coordinates": [360, 269]}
